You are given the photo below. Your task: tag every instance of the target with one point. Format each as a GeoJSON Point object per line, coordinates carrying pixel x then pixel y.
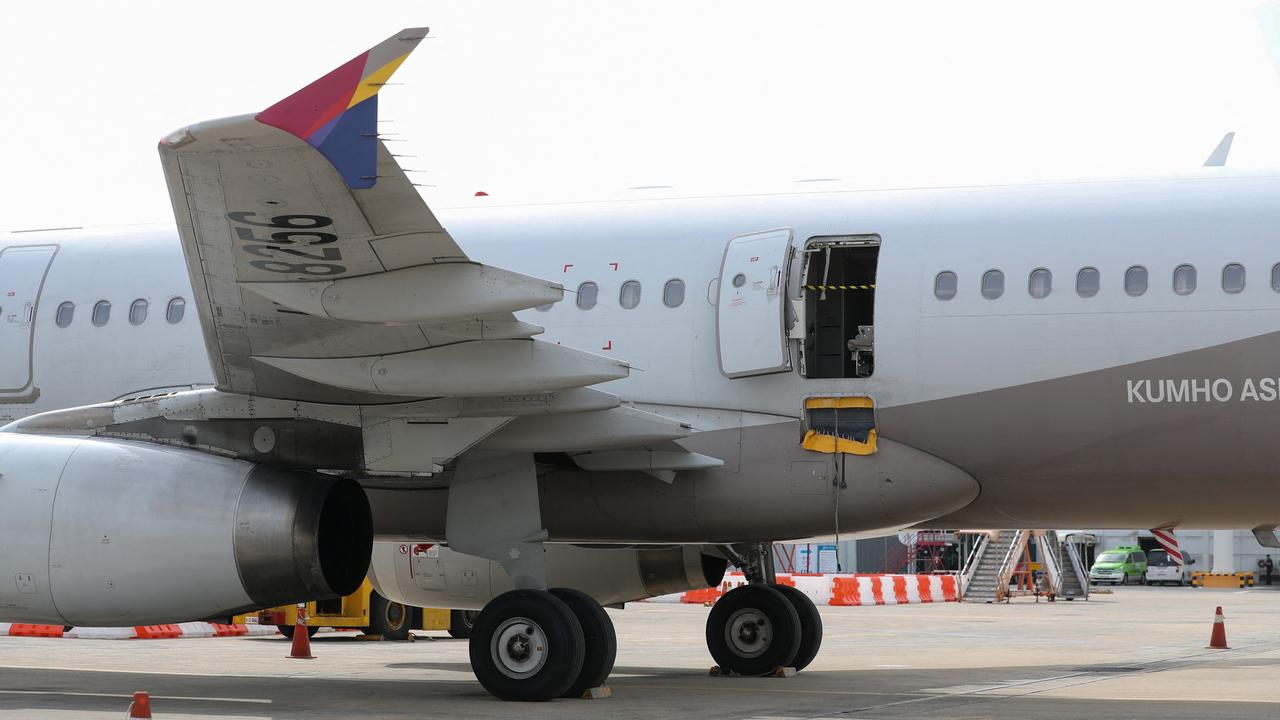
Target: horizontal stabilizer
{"type": "Point", "coordinates": [469, 368]}
{"type": "Point", "coordinates": [414, 295]}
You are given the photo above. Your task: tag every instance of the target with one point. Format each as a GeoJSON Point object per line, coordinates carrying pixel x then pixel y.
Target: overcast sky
{"type": "Point", "coordinates": [573, 100]}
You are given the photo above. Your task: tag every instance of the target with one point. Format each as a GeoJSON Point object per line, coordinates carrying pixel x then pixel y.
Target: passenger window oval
{"type": "Point", "coordinates": [138, 312]}
{"type": "Point", "coordinates": [992, 284]}
{"type": "Point", "coordinates": [673, 293]}
{"type": "Point", "coordinates": [176, 309]}
{"type": "Point", "coordinates": [1135, 280]}
{"type": "Point", "coordinates": [1184, 279]}
{"type": "Point", "coordinates": [944, 285]}
{"type": "Point", "coordinates": [101, 313]}
{"type": "Point", "coordinates": [1040, 283]}
{"type": "Point", "coordinates": [1088, 282]}
{"type": "Point", "coordinates": [587, 294]}
{"type": "Point", "coordinates": [1275, 277]}
{"type": "Point", "coordinates": [629, 294]}
{"type": "Point", "coordinates": [1233, 278]}
{"type": "Point", "coordinates": [66, 312]}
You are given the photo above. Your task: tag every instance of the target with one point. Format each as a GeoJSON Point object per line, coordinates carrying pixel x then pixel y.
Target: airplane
{"type": "Point", "coordinates": [546, 408]}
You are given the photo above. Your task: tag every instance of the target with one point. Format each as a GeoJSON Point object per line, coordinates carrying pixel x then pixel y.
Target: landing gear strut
{"type": "Point", "coordinates": [760, 627]}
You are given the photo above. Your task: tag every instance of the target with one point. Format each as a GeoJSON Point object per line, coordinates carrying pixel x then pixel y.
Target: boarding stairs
{"type": "Point", "coordinates": [1000, 567]}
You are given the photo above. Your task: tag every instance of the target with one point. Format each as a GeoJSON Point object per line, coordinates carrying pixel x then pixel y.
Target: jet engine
{"type": "Point", "coordinates": [101, 532]}
{"type": "Point", "coordinates": [427, 575]}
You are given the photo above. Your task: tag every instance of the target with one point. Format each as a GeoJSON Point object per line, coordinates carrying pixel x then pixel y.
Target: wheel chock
{"type": "Point", "coordinates": [597, 693]}
{"type": "Point", "coordinates": [782, 672]}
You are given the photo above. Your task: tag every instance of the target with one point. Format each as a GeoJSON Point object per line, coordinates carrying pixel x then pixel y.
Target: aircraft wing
{"type": "Point", "coordinates": [321, 275]}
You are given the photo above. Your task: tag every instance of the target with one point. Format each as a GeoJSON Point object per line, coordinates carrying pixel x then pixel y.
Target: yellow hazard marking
{"type": "Point", "coordinates": [818, 442]}
{"type": "Point", "coordinates": [840, 287]}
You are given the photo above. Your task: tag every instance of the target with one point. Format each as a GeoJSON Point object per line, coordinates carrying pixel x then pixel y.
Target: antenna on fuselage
{"type": "Point", "coordinates": [1218, 157]}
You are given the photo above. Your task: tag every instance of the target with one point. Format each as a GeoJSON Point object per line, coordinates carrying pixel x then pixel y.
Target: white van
{"type": "Point", "coordinates": [1162, 569]}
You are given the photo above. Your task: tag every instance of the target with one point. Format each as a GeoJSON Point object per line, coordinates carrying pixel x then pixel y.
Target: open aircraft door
{"type": "Point", "coordinates": [751, 304]}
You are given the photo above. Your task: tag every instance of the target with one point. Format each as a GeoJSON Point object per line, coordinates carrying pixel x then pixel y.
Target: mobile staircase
{"type": "Point", "coordinates": [1000, 567]}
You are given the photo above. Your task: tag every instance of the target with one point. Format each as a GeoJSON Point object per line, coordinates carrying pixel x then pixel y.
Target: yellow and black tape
{"type": "Point", "coordinates": [839, 287]}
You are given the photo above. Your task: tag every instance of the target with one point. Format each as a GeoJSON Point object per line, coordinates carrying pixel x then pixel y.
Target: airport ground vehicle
{"type": "Point", "coordinates": [1118, 565]}
{"type": "Point", "coordinates": [1163, 569]}
{"type": "Point", "coordinates": [367, 610]}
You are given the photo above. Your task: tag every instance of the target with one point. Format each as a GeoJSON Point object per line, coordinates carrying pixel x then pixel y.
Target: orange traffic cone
{"type": "Point", "coordinates": [1218, 640]}
{"type": "Point", "coordinates": [301, 648]}
{"type": "Point", "coordinates": [141, 705]}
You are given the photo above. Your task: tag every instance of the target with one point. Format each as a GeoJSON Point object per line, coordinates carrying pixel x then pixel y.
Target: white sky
{"type": "Point", "coordinates": [572, 100]}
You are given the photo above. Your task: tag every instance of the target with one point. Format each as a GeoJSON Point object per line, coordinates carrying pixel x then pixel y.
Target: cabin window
{"type": "Point", "coordinates": [1275, 277]}
{"type": "Point", "coordinates": [1088, 281]}
{"type": "Point", "coordinates": [587, 294]}
{"type": "Point", "coordinates": [1040, 284]}
{"type": "Point", "coordinates": [1184, 279]}
{"type": "Point", "coordinates": [629, 295]}
{"type": "Point", "coordinates": [673, 293]}
{"type": "Point", "coordinates": [992, 284]}
{"type": "Point", "coordinates": [1233, 278]}
{"type": "Point", "coordinates": [839, 281]}
{"type": "Point", "coordinates": [1135, 280]}
{"type": "Point", "coordinates": [177, 308]}
{"type": "Point", "coordinates": [944, 285]}
{"type": "Point", "coordinates": [66, 311]}
{"type": "Point", "coordinates": [138, 312]}
{"type": "Point", "coordinates": [101, 313]}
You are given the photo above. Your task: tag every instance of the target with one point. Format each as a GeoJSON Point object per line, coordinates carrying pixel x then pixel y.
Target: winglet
{"type": "Point", "coordinates": [1218, 157]}
{"type": "Point", "coordinates": [338, 114]}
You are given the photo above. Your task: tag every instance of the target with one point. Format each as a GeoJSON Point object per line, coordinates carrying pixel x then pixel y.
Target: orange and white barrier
{"type": "Point", "coordinates": [844, 589]}
{"type": "Point", "coordinates": [138, 632]}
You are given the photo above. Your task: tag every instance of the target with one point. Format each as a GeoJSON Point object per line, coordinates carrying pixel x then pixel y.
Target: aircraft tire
{"type": "Point", "coordinates": [391, 620]}
{"type": "Point", "coordinates": [753, 630]}
{"type": "Point", "coordinates": [601, 641]}
{"type": "Point", "coordinates": [810, 625]}
{"type": "Point", "coordinates": [461, 622]}
{"type": "Point", "coordinates": [527, 645]}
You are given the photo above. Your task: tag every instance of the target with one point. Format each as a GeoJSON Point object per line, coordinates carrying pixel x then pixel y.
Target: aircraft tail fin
{"type": "Point", "coordinates": [1218, 157]}
{"type": "Point", "coordinates": [338, 114]}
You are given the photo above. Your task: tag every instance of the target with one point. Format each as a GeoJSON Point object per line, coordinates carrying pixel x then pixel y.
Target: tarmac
{"type": "Point", "coordinates": [1136, 653]}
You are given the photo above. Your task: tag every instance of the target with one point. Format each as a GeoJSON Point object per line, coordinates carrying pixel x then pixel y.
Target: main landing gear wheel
{"type": "Point", "coordinates": [753, 630]}
{"type": "Point", "coordinates": [391, 620]}
{"type": "Point", "coordinates": [461, 622]}
{"type": "Point", "coordinates": [597, 632]}
{"type": "Point", "coordinates": [810, 625]}
{"type": "Point", "coordinates": [527, 645]}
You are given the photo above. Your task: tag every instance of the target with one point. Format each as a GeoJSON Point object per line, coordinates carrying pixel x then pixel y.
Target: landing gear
{"type": "Point", "coordinates": [527, 645]}
{"type": "Point", "coordinates": [757, 628]}
{"type": "Point", "coordinates": [601, 641]}
{"type": "Point", "coordinates": [810, 625]}
{"type": "Point", "coordinates": [753, 630]}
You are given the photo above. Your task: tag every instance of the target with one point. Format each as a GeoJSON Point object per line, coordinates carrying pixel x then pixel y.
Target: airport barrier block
{"type": "Point", "coordinates": [30, 630]}
{"type": "Point", "coordinates": [157, 632]}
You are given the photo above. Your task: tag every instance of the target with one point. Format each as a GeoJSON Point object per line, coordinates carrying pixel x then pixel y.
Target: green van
{"type": "Point", "coordinates": [1118, 565]}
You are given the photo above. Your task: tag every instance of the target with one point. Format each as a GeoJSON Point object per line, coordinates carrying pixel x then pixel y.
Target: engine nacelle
{"type": "Point", "coordinates": [99, 532]}
{"type": "Point", "coordinates": [426, 575]}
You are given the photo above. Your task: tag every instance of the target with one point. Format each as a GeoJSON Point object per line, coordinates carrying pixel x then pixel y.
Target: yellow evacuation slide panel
{"type": "Point", "coordinates": [840, 425]}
